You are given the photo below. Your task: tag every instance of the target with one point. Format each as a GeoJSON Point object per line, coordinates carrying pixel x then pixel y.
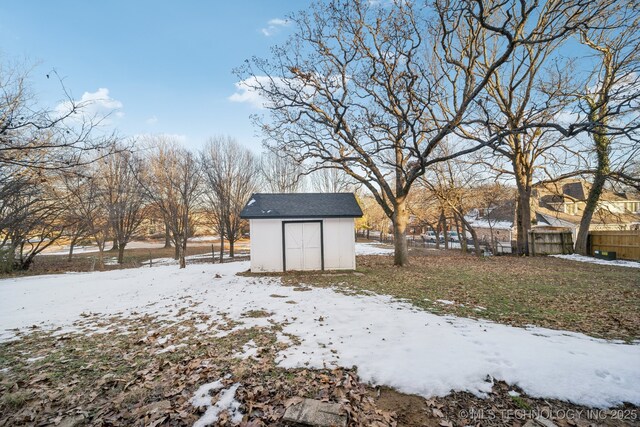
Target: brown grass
{"type": "Point", "coordinates": [133, 258]}
{"type": "Point", "coordinates": [601, 301]}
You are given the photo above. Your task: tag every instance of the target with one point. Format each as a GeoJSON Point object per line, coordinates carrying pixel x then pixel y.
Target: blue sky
{"type": "Point", "coordinates": [165, 65]}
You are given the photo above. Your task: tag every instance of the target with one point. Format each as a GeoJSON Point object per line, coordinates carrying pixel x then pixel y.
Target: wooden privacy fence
{"type": "Point", "coordinates": [550, 241]}
{"type": "Point", "coordinates": [625, 243]}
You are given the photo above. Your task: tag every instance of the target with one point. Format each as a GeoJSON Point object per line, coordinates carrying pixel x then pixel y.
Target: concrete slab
{"type": "Point", "coordinates": [316, 413]}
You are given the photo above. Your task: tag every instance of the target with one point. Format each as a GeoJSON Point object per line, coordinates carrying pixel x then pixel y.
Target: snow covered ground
{"type": "Point", "coordinates": [592, 260]}
{"type": "Point", "coordinates": [373, 249]}
{"type": "Point", "coordinates": [170, 261]}
{"type": "Point", "coordinates": [390, 342]}
{"type": "Point", "coordinates": [136, 244]}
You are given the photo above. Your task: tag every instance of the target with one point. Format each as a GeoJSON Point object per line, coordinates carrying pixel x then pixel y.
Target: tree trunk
{"type": "Point", "coordinates": [222, 246]}
{"type": "Point", "coordinates": [400, 219]}
{"type": "Point", "coordinates": [115, 246]}
{"type": "Point", "coordinates": [603, 169]}
{"type": "Point", "coordinates": [231, 244]}
{"type": "Point", "coordinates": [444, 230]}
{"type": "Point", "coordinates": [25, 264]}
{"type": "Point", "coordinates": [101, 257]}
{"type": "Point", "coordinates": [523, 216]}
{"type": "Point", "coordinates": [462, 236]}
{"type": "Point", "coordinates": [474, 235]}
{"type": "Point", "coordinates": [121, 254]}
{"type": "Point", "coordinates": [182, 249]}
{"type": "Point", "coordinates": [72, 244]}
{"type": "Point", "coordinates": [167, 236]}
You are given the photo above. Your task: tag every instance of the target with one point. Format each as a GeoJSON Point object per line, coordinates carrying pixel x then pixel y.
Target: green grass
{"type": "Point", "coordinates": [601, 301]}
{"type": "Point", "coordinates": [14, 401]}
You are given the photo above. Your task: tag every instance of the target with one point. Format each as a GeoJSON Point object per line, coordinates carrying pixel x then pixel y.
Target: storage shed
{"type": "Point", "coordinates": [302, 231]}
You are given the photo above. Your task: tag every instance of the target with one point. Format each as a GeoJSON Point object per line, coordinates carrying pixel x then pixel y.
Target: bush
{"type": "Point", "coordinates": [6, 260]}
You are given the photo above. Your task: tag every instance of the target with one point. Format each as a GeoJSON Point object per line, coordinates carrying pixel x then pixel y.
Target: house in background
{"type": "Point", "coordinates": [302, 231]}
{"type": "Point", "coordinates": [558, 206]}
{"type": "Point", "coordinates": [495, 226]}
{"type": "Point", "coordinates": [562, 204]}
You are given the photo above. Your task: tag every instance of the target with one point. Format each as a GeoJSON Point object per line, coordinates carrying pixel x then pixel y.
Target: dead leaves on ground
{"type": "Point", "coordinates": [117, 377]}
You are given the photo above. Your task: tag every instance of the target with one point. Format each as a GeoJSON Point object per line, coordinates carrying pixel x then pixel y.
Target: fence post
{"type": "Point", "coordinates": [532, 243]}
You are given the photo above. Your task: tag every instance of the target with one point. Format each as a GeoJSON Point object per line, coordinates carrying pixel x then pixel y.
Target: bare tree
{"type": "Point", "coordinates": [74, 186]}
{"type": "Point", "coordinates": [376, 89]}
{"type": "Point", "coordinates": [330, 180]}
{"type": "Point", "coordinates": [452, 184]}
{"type": "Point", "coordinates": [30, 214]}
{"type": "Point", "coordinates": [611, 101]}
{"type": "Point", "coordinates": [119, 176]}
{"type": "Point", "coordinates": [280, 174]}
{"type": "Point", "coordinates": [374, 217]}
{"type": "Point", "coordinates": [85, 199]}
{"type": "Point", "coordinates": [39, 138]}
{"type": "Point", "coordinates": [492, 197]}
{"type": "Point", "coordinates": [530, 90]}
{"type": "Point", "coordinates": [171, 181]}
{"type": "Point", "coordinates": [231, 176]}
{"type": "Point", "coordinates": [38, 144]}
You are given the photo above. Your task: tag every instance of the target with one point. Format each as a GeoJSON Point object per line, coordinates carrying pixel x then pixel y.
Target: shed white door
{"type": "Point", "coordinates": [302, 242]}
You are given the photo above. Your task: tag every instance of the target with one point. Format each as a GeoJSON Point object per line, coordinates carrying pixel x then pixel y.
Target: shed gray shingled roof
{"type": "Point", "coordinates": [302, 205]}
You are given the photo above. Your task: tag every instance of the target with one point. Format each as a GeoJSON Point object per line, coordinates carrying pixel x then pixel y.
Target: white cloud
{"type": "Point", "coordinates": [278, 21]}
{"type": "Point", "coordinates": [151, 120]}
{"type": "Point", "coordinates": [93, 106]}
{"type": "Point", "coordinates": [246, 93]}
{"type": "Point", "coordinates": [274, 26]}
{"type": "Point", "coordinates": [249, 90]}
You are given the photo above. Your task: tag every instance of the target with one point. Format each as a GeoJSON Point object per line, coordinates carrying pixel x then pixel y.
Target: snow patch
{"type": "Point", "coordinates": [226, 402]}
{"type": "Point", "coordinates": [202, 398]}
{"type": "Point", "coordinates": [170, 348]}
{"type": "Point", "coordinates": [389, 341]}
{"type": "Point", "coordinates": [372, 249]}
{"type": "Point", "coordinates": [582, 258]}
{"type": "Point", "coordinates": [445, 301]}
{"type": "Point", "coordinates": [163, 340]}
{"type": "Point", "coordinates": [250, 349]}
{"type": "Point", "coordinates": [282, 338]}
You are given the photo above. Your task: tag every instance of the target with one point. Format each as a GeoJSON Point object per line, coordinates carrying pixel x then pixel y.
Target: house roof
{"type": "Point", "coordinates": [601, 216]}
{"type": "Point", "coordinates": [301, 205]}
{"type": "Point", "coordinates": [575, 190]}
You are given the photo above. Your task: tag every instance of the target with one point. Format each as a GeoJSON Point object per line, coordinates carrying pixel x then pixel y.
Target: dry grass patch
{"type": "Point", "coordinates": [133, 258]}
{"type": "Point", "coordinates": [601, 301]}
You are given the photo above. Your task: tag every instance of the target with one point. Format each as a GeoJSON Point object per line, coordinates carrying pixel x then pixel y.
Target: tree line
{"type": "Point", "coordinates": [389, 92]}
{"type": "Point", "coordinates": [63, 180]}
{"type": "Point", "coordinates": [411, 102]}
